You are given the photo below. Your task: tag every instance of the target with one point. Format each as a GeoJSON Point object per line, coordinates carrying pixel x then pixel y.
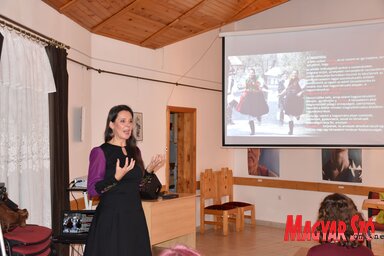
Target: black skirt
{"type": "Point", "coordinates": [293, 105]}
{"type": "Point", "coordinates": [118, 232]}
{"type": "Point", "coordinates": [253, 103]}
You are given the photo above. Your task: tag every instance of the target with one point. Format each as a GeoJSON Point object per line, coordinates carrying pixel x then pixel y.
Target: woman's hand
{"type": "Point", "coordinates": [157, 161]}
{"type": "Point", "coordinates": [121, 171]}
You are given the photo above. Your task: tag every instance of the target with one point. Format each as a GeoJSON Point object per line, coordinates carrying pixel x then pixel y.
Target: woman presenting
{"type": "Point", "coordinates": [115, 171]}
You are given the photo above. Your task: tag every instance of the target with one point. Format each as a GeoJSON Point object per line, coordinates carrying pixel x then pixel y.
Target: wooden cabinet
{"type": "Point", "coordinates": [172, 221]}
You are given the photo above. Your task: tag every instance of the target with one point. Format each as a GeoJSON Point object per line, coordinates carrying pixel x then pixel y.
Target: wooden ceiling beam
{"type": "Point", "coordinates": [178, 19]}
{"type": "Point", "coordinates": [120, 13]}
{"type": "Point", "coordinates": [67, 5]}
{"type": "Point", "coordinates": [238, 14]}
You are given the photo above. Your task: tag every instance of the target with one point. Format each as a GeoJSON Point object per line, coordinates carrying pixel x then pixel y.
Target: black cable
{"type": "Point", "coordinates": [77, 204]}
{"type": "Point", "coordinates": [77, 251]}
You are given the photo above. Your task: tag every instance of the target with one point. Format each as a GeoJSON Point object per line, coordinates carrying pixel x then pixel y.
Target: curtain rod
{"type": "Point", "coordinates": [30, 33]}
{"type": "Point", "coordinates": [142, 78]}
{"type": "Point", "coordinates": [4, 21]}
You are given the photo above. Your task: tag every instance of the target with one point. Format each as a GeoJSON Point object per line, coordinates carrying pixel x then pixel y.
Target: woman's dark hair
{"type": "Point", "coordinates": [131, 142]}
{"type": "Point", "coordinates": [338, 207]}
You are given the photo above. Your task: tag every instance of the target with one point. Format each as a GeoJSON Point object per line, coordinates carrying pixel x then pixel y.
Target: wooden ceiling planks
{"type": "Point", "coordinates": [157, 23]}
{"type": "Point", "coordinates": [174, 28]}
{"type": "Point", "coordinates": [256, 7]}
{"type": "Point", "coordinates": [160, 12]}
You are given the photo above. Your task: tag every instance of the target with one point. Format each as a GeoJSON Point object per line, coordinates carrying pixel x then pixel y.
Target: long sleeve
{"type": "Point", "coordinates": [97, 184]}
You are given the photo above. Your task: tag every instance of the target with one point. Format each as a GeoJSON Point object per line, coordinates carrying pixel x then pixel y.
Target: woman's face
{"type": "Point", "coordinates": [253, 159]}
{"type": "Point", "coordinates": [123, 125]}
{"type": "Point", "coordinates": [294, 74]}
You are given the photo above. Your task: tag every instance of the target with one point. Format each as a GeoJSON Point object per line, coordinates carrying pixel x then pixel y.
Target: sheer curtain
{"type": "Point", "coordinates": [25, 81]}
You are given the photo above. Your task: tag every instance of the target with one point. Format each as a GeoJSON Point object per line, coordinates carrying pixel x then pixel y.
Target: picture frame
{"type": "Point", "coordinates": [138, 129]}
{"type": "Point", "coordinates": [342, 164]}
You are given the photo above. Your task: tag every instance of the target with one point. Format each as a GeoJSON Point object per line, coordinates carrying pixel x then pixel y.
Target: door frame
{"type": "Point", "coordinates": [175, 109]}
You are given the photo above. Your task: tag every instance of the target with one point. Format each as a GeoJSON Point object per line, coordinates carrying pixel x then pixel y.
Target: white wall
{"type": "Point", "coordinates": [304, 164]}
{"type": "Point", "coordinates": [195, 61]}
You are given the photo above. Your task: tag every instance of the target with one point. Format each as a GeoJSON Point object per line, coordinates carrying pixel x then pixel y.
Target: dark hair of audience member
{"type": "Point", "coordinates": [338, 207]}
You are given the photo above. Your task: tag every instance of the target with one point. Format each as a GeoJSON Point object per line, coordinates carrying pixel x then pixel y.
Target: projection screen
{"type": "Point", "coordinates": [317, 86]}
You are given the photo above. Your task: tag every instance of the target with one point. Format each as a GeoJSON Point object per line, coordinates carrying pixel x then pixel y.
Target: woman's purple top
{"type": "Point", "coordinates": [96, 170]}
{"type": "Point", "coordinates": [97, 182]}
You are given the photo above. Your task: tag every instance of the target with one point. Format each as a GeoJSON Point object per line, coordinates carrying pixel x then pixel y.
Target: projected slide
{"type": "Point", "coordinates": [326, 90]}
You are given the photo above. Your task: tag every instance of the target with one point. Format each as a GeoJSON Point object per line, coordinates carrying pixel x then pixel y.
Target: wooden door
{"type": "Point", "coordinates": [186, 149]}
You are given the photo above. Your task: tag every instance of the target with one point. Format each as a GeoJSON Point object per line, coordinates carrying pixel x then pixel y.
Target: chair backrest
{"type": "Point", "coordinates": [225, 184]}
{"type": "Point", "coordinates": [208, 186]}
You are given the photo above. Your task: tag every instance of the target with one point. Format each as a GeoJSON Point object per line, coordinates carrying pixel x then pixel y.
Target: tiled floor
{"type": "Point", "coordinates": [260, 240]}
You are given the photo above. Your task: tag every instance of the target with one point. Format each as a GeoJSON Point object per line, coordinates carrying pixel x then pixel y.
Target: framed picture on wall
{"type": "Point", "coordinates": [264, 162]}
{"type": "Point", "coordinates": [342, 164]}
{"type": "Point", "coordinates": [138, 129]}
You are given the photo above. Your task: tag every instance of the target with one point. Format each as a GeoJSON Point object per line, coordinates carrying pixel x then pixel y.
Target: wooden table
{"type": "Point", "coordinates": [373, 203]}
{"type": "Point", "coordinates": [172, 221]}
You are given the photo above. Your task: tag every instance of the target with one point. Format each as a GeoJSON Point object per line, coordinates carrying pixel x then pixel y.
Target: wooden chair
{"type": "Point", "coordinates": [374, 212]}
{"type": "Point", "coordinates": [225, 188]}
{"type": "Point", "coordinates": [221, 213]}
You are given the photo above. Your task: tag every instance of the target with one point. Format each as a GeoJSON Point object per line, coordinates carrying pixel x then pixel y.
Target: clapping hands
{"type": "Point", "coordinates": [156, 163]}
{"type": "Point", "coordinates": [121, 171]}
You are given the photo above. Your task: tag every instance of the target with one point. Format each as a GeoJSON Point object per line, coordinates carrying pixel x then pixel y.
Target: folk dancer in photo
{"type": "Point", "coordinates": [252, 101]}
{"type": "Point", "coordinates": [292, 97]}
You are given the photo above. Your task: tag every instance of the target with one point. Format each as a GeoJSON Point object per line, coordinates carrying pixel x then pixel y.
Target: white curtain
{"type": "Point", "coordinates": [25, 81]}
